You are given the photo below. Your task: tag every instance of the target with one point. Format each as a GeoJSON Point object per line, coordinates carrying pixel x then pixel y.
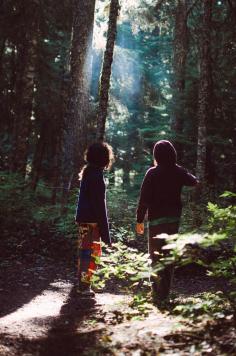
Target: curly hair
{"type": "Point", "coordinates": [98, 154]}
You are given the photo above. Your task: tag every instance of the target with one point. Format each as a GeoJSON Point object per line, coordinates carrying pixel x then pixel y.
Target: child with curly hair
{"type": "Point", "coordinates": [91, 213]}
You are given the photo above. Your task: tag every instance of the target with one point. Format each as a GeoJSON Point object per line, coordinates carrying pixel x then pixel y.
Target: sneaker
{"type": "Point", "coordinates": [88, 292]}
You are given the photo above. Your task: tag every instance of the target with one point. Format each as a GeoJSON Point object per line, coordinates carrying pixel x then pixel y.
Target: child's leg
{"type": "Point", "coordinates": [161, 283]}
{"type": "Point", "coordinates": [89, 251]}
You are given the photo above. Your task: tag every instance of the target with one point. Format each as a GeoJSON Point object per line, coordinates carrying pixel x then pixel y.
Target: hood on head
{"type": "Point", "coordinates": [165, 153]}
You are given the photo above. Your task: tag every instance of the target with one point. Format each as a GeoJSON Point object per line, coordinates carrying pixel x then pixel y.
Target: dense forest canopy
{"type": "Point", "coordinates": [172, 77]}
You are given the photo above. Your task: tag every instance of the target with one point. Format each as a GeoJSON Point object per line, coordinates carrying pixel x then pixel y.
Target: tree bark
{"type": "Point", "coordinates": [27, 56]}
{"type": "Point", "coordinates": [75, 135]}
{"type": "Point", "coordinates": [106, 69]}
{"type": "Point", "coordinates": [55, 171]}
{"type": "Point", "coordinates": [2, 79]}
{"type": "Point", "coordinates": [205, 89]}
{"type": "Point", "coordinates": [2, 48]}
{"type": "Point", "coordinates": [38, 156]}
{"type": "Point", "coordinates": [179, 66]}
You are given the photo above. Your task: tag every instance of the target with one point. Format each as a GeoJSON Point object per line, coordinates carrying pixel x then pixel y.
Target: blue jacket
{"type": "Point", "coordinates": [91, 205]}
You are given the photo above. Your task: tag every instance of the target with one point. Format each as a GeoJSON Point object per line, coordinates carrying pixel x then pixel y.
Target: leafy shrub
{"type": "Point", "coordinates": [188, 248]}
{"type": "Point", "coordinates": [16, 203]}
{"type": "Point", "coordinates": [206, 304]}
{"type": "Point", "coordinates": [223, 219]}
{"type": "Point", "coordinates": [127, 266]}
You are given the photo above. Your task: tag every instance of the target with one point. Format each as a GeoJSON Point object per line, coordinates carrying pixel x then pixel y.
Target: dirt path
{"type": "Point", "coordinates": [41, 315]}
{"type": "Point", "coordinates": [58, 322]}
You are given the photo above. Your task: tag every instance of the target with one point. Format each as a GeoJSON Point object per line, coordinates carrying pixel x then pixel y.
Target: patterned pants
{"type": "Point", "coordinates": [89, 250]}
{"type": "Point", "coordinates": [161, 284]}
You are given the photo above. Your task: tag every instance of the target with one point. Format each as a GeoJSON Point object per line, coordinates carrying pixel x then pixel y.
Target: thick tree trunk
{"type": "Point", "coordinates": [179, 66]}
{"type": "Point", "coordinates": [27, 56]}
{"type": "Point", "coordinates": [205, 89]}
{"type": "Point", "coordinates": [106, 69]}
{"type": "Point", "coordinates": [75, 135]}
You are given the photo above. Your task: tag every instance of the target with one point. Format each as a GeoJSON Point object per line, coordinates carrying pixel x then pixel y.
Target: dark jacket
{"type": "Point", "coordinates": [161, 192]}
{"type": "Point", "coordinates": [91, 205]}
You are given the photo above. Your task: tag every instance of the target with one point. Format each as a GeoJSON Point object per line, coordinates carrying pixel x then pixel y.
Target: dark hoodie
{"type": "Point", "coordinates": [161, 188]}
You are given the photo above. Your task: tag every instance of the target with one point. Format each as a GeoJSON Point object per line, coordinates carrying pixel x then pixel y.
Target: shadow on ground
{"type": "Point", "coordinates": [66, 337]}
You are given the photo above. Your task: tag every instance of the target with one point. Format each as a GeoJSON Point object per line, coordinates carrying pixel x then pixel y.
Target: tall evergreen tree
{"type": "Point", "coordinates": [180, 50]}
{"type": "Point", "coordinates": [106, 69]}
{"type": "Point", "coordinates": [205, 88]}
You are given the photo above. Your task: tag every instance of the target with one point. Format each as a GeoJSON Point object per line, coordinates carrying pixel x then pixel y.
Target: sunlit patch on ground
{"type": "Point", "coordinates": [112, 299]}
{"type": "Point", "coordinates": [32, 318]}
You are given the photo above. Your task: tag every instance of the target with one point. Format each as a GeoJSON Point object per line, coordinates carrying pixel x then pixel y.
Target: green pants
{"type": "Point", "coordinates": [161, 283]}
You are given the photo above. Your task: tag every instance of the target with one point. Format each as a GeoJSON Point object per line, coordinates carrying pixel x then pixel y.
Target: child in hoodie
{"type": "Point", "coordinates": [160, 198]}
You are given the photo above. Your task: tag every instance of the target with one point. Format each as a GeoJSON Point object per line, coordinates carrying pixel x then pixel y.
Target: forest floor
{"type": "Point", "coordinates": [41, 313]}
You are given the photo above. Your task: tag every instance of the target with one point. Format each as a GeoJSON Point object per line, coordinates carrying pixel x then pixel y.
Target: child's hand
{"type": "Point", "coordinates": [140, 228]}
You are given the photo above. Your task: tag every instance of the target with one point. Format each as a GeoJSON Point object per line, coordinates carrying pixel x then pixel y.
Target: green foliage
{"type": "Point", "coordinates": [189, 248]}
{"type": "Point", "coordinates": [23, 211]}
{"type": "Point", "coordinates": [141, 304]}
{"type": "Point", "coordinates": [16, 203]}
{"type": "Point", "coordinates": [65, 223]}
{"type": "Point", "coordinates": [223, 219]}
{"type": "Point", "coordinates": [121, 207]}
{"type": "Point", "coordinates": [123, 264]}
{"type": "Point", "coordinates": [205, 305]}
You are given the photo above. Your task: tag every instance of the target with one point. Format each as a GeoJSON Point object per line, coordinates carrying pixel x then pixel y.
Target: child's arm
{"type": "Point", "coordinates": [143, 203]}
{"type": "Point", "coordinates": [188, 178]}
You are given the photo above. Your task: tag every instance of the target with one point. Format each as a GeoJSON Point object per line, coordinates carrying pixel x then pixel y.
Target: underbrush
{"type": "Point", "coordinates": [29, 219]}
{"type": "Point", "coordinates": [215, 251]}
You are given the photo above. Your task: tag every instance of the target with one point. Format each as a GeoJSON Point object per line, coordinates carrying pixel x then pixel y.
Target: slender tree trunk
{"type": "Point", "coordinates": [12, 88]}
{"type": "Point", "coordinates": [205, 89]}
{"type": "Point", "coordinates": [55, 171]}
{"type": "Point", "coordinates": [106, 69]}
{"type": "Point", "coordinates": [38, 157]}
{"type": "Point", "coordinates": [2, 79]}
{"type": "Point", "coordinates": [126, 178]}
{"type": "Point", "coordinates": [75, 139]}
{"type": "Point", "coordinates": [179, 67]}
{"type": "Point", "coordinates": [204, 106]}
{"type": "Point", "coordinates": [27, 56]}
{"type": "Point", "coordinates": [2, 49]}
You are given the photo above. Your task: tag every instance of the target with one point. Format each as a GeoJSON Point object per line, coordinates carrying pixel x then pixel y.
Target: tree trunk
{"type": "Point", "coordinates": [75, 139]}
{"type": "Point", "coordinates": [27, 56]}
{"type": "Point", "coordinates": [38, 156]}
{"type": "Point", "coordinates": [106, 69]}
{"type": "Point", "coordinates": [55, 171]}
{"type": "Point", "coordinates": [205, 89]}
{"type": "Point", "coordinates": [2, 49]}
{"type": "Point", "coordinates": [2, 79]}
{"type": "Point", "coordinates": [179, 66]}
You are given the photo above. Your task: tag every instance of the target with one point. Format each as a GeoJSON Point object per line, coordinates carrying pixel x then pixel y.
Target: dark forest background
{"type": "Point", "coordinates": [169, 70]}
